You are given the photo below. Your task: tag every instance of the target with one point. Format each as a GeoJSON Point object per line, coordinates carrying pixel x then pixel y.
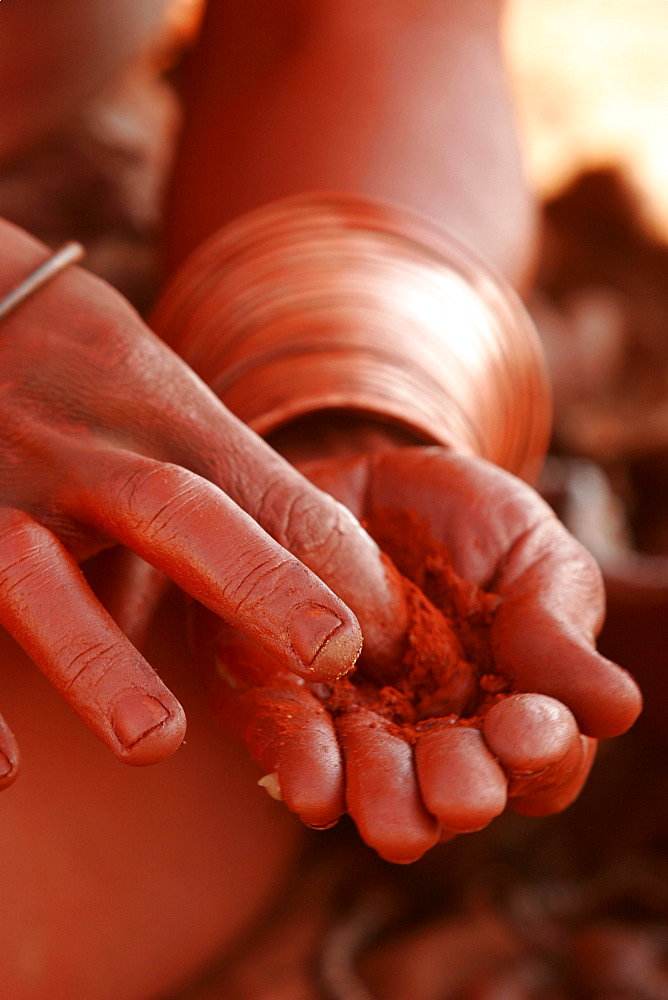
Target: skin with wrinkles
{"type": "Point", "coordinates": [85, 467]}
{"type": "Point", "coordinates": [177, 480]}
{"type": "Point", "coordinates": [531, 744]}
{"type": "Point", "coordinates": [108, 437]}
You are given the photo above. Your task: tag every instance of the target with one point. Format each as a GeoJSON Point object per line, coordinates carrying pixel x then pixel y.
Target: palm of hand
{"type": "Point", "coordinates": [540, 695]}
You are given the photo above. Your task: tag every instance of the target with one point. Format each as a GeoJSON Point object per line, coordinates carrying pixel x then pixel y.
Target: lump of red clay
{"type": "Point", "coordinates": [447, 670]}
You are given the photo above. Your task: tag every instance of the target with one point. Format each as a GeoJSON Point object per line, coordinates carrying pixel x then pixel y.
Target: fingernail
{"type": "Point", "coordinates": [272, 786]}
{"type": "Point", "coordinates": [310, 628]}
{"type": "Point", "coordinates": [6, 765]}
{"type": "Point", "coordinates": [135, 715]}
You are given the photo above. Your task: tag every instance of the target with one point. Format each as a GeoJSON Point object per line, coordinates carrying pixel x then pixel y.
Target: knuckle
{"type": "Point", "coordinates": [309, 525]}
{"type": "Point", "coordinates": [156, 499]}
{"type": "Point", "coordinates": [21, 577]}
{"type": "Point", "coordinates": [24, 556]}
{"type": "Point", "coordinates": [273, 507]}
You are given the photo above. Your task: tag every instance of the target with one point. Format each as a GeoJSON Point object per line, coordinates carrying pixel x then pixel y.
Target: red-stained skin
{"type": "Point", "coordinates": [364, 97]}
{"type": "Point", "coordinates": [530, 747]}
{"type": "Point", "coordinates": [84, 467]}
{"type": "Point", "coordinates": [319, 97]}
{"type": "Point", "coordinates": [123, 882]}
{"type": "Point", "coordinates": [118, 883]}
{"type": "Point", "coordinates": [176, 478]}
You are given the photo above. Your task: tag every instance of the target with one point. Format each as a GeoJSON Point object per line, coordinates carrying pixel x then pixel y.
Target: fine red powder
{"type": "Point", "coordinates": [447, 668]}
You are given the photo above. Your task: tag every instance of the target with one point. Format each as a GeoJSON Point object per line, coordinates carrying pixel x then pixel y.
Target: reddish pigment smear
{"type": "Point", "coordinates": [447, 669]}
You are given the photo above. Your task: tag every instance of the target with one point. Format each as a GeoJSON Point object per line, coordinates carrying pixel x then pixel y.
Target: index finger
{"type": "Point", "coordinates": [316, 528]}
{"type": "Point", "coordinates": [190, 530]}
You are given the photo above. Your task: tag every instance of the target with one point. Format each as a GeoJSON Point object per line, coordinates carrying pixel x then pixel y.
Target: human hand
{"type": "Point", "coordinates": [412, 771]}
{"type": "Point", "coordinates": [109, 437]}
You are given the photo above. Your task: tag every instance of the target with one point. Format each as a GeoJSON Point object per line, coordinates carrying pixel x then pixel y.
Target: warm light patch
{"type": "Point", "coordinates": [590, 79]}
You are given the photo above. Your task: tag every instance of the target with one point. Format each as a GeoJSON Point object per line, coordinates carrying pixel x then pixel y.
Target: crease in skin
{"type": "Point", "coordinates": [332, 535]}
{"type": "Point", "coordinates": [583, 572]}
{"type": "Point", "coordinates": [17, 525]}
{"type": "Point", "coordinates": [130, 483]}
{"type": "Point", "coordinates": [252, 579]}
{"type": "Point", "coordinates": [184, 499]}
{"type": "Point", "coordinates": [159, 521]}
{"type": "Point", "coordinates": [519, 774]}
{"type": "Point", "coordinates": [272, 505]}
{"type": "Point", "coordinates": [9, 583]}
{"type": "Point", "coordinates": [514, 551]}
{"type": "Point", "coordinates": [330, 554]}
{"type": "Point", "coordinates": [95, 654]}
{"type": "Point", "coordinates": [304, 527]}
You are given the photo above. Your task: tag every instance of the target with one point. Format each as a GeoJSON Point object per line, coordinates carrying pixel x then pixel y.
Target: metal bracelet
{"type": "Point", "coordinates": [68, 254]}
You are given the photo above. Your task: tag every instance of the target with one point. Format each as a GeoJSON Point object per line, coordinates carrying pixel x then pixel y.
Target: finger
{"type": "Point", "coordinates": [293, 739]}
{"type": "Point", "coordinates": [603, 697]}
{"type": "Point", "coordinates": [190, 530]}
{"type": "Point", "coordinates": [547, 801]}
{"type": "Point", "coordinates": [322, 534]}
{"type": "Point", "coordinates": [547, 760]}
{"type": "Point", "coordinates": [47, 606]}
{"type": "Point", "coordinates": [461, 783]}
{"type": "Point", "coordinates": [552, 589]}
{"type": "Point", "coordinates": [10, 758]}
{"type": "Point", "coordinates": [381, 789]}
{"type": "Point", "coordinates": [327, 538]}
{"type": "Point", "coordinates": [535, 739]}
{"type": "Point", "coordinates": [287, 730]}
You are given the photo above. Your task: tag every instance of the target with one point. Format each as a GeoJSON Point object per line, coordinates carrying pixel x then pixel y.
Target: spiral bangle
{"type": "Point", "coordinates": [330, 301]}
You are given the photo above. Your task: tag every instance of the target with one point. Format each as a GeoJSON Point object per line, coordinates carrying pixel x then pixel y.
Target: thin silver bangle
{"type": "Point", "coordinates": [68, 254]}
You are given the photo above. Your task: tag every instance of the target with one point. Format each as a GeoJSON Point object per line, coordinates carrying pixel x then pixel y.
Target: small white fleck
{"type": "Point", "coordinates": [271, 785]}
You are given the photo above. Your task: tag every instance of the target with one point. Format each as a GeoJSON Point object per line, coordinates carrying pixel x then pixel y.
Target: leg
{"type": "Point", "coordinates": [118, 881]}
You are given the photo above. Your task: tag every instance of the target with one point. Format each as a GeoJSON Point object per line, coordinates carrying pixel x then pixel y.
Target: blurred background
{"type": "Point", "coordinates": [590, 79]}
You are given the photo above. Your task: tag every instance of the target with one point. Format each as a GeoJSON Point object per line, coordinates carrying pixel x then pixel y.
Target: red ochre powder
{"type": "Point", "coordinates": [447, 669]}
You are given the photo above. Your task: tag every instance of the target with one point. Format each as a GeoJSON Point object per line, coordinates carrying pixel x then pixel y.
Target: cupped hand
{"type": "Point", "coordinates": [107, 437]}
{"type": "Point", "coordinates": [526, 601]}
